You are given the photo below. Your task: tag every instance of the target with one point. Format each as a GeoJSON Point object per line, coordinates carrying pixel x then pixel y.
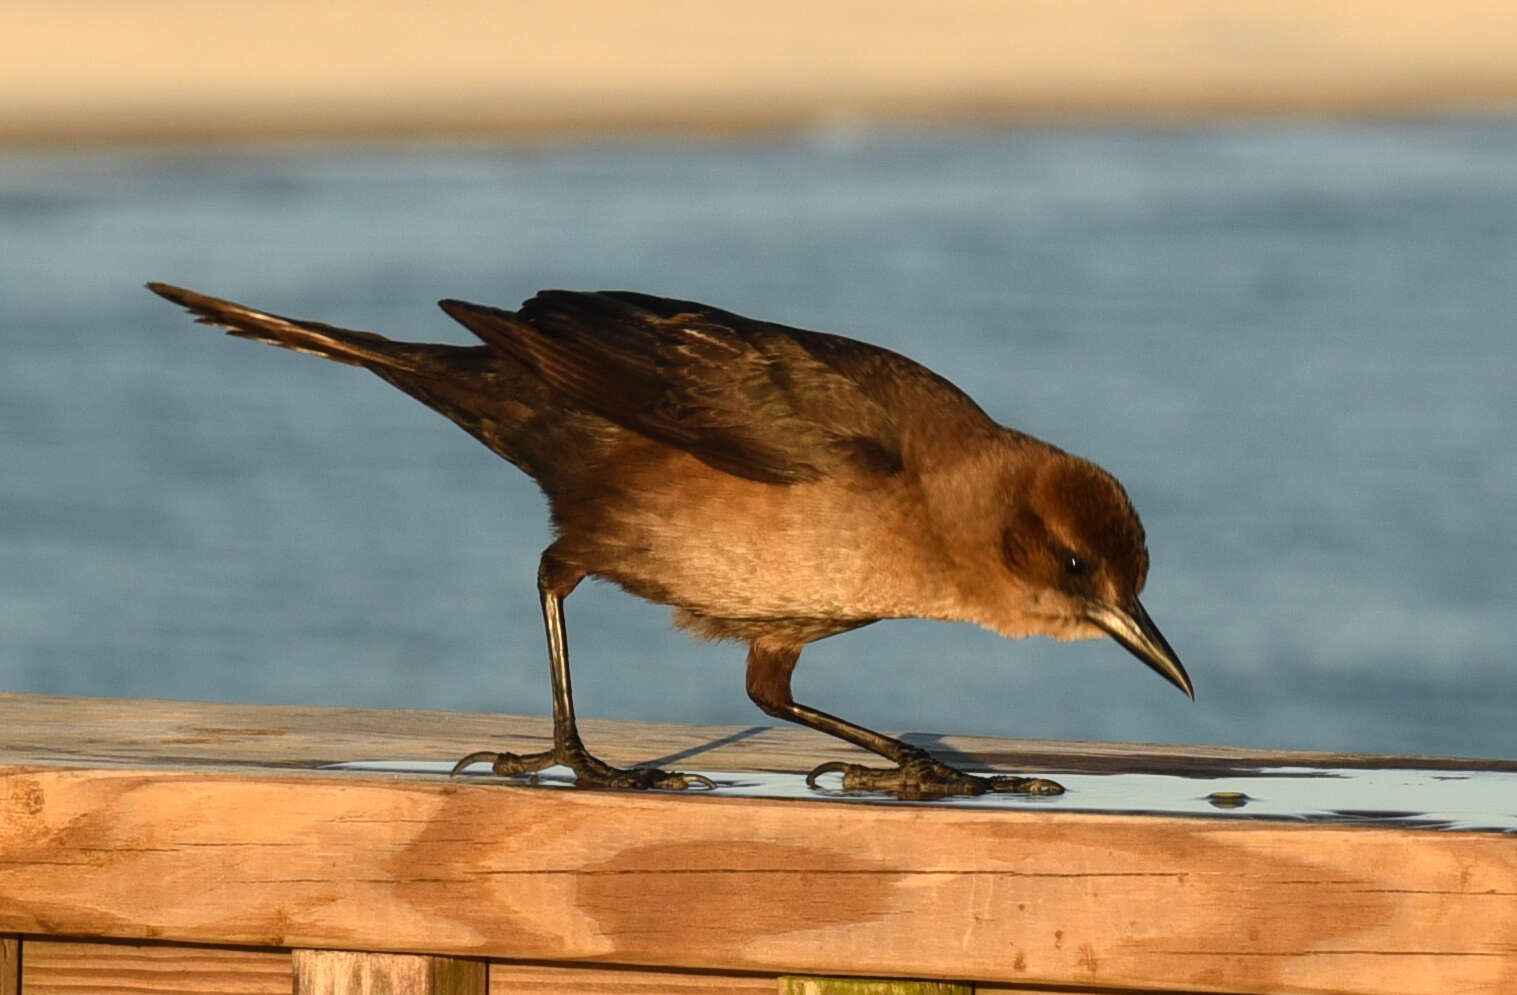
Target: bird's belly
{"type": "Point", "coordinates": [760, 551]}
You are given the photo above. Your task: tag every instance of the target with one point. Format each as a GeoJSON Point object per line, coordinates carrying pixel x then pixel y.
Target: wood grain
{"type": "Point", "coordinates": [10, 965]}
{"type": "Point", "coordinates": [867, 986]}
{"type": "Point", "coordinates": [753, 885]}
{"type": "Point", "coordinates": [72, 967]}
{"type": "Point", "coordinates": [588, 979]}
{"type": "Point", "coordinates": [347, 972]}
{"type": "Point", "coordinates": [53, 729]}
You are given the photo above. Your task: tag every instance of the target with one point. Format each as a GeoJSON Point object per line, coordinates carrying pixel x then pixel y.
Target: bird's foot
{"type": "Point", "coordinates": [589, 771]}
{"type": "Point", "coordinates": [924, 777]}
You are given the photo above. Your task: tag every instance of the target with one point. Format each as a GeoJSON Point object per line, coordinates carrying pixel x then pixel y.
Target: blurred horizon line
{"type": "Point", "coordinates": [155, 70]}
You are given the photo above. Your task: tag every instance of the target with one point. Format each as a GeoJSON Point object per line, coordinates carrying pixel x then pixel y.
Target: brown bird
{"type": "Point", "coordinates": [773, 485]}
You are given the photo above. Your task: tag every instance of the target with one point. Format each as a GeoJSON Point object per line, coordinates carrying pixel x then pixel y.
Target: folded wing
{"type": "Point", "coordinates": [751, 398]}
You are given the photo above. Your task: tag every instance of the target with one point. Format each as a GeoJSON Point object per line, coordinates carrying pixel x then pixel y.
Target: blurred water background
{"type": "Point", "coordinates": [1294, 342]}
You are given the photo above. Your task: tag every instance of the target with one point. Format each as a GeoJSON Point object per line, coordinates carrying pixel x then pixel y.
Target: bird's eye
{"type": "Point", "coordinates": [1075, 565]}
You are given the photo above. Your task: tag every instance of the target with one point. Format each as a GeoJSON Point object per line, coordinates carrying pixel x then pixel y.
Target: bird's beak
{"type": "Point", "coordinates": [1134, 629]}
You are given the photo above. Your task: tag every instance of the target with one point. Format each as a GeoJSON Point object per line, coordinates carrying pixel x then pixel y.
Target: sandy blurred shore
{"type": "Point", "coordinates": [171, 69]}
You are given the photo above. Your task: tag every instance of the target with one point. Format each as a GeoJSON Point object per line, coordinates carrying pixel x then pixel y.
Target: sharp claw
{"type": "Point", "coordinates": [831, 767]}
{"type": "Point", "coordinates": [473, 758]}
{"type": "Point", "coordinates": [589, 772]}
{"type": "Point", "coordinates": [684, 781]}
{"type": "Point", "coordinates": [508, 764]}
{"type": "Point", "coordinates": [667, 780]}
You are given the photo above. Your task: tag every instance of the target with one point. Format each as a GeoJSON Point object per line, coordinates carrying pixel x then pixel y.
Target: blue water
{"type": "Point", "coordinates": [1294, 343]}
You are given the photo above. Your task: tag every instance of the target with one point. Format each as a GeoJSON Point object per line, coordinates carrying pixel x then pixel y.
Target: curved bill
{"type": "Point", "coordinates": [1135, 630]}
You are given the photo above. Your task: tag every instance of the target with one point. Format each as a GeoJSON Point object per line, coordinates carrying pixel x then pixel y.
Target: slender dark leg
{"type": "Point", "coordinates": [554, 582]}
{"type": "Point", "coordinates": [916, 774]}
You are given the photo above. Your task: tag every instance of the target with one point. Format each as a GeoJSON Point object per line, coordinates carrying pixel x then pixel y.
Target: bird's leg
{"type": "Point", "coordinates": [916, 774]}
{"type": "Point", "coordinates": [554, 582]}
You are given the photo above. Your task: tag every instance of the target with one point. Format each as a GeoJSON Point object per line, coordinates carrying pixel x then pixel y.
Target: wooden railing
{"type": "Point", "coordinates": [150, 846]}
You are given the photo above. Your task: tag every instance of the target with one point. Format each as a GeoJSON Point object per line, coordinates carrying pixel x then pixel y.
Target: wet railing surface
{"type": "Point", "coordinates": [1470, 801]}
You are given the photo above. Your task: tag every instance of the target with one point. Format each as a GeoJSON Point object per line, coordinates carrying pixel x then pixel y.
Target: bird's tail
{"type": "Point", "coordinates": [328, 341]}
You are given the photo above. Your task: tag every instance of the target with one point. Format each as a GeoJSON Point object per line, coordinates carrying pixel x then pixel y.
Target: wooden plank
{"type": "Point", "coordinates": [10, 965]}
{"type": "Point", "coordinates": [52, 729]}
{"type": "Point", "coordinates": [755, 885]}
{"type": "Point", "coordinates": [869, 986]}
{"type": "Point", "coordinates": [348, 972]}
{"type": "Point", "coordinates": [72, 967]}
{"type": "Point", "coordinates": [509, 978]}
{"type": "Point", "coordinates": [991, 988]}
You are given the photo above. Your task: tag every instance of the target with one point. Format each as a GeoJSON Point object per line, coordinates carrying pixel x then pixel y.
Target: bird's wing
{"type": "Point", "coordinates": [747, 397]}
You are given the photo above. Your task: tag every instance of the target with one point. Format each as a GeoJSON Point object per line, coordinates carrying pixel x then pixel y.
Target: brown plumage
{"type": "Point", "coordinates": [773, 485]}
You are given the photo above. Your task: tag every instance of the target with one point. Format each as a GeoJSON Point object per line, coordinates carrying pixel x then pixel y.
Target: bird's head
{"type": "Point", "coordinates": [1075, 552]}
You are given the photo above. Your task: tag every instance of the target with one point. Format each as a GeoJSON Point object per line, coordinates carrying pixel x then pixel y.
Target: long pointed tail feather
{"type": "Point", "coordinates": [328, 341]}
